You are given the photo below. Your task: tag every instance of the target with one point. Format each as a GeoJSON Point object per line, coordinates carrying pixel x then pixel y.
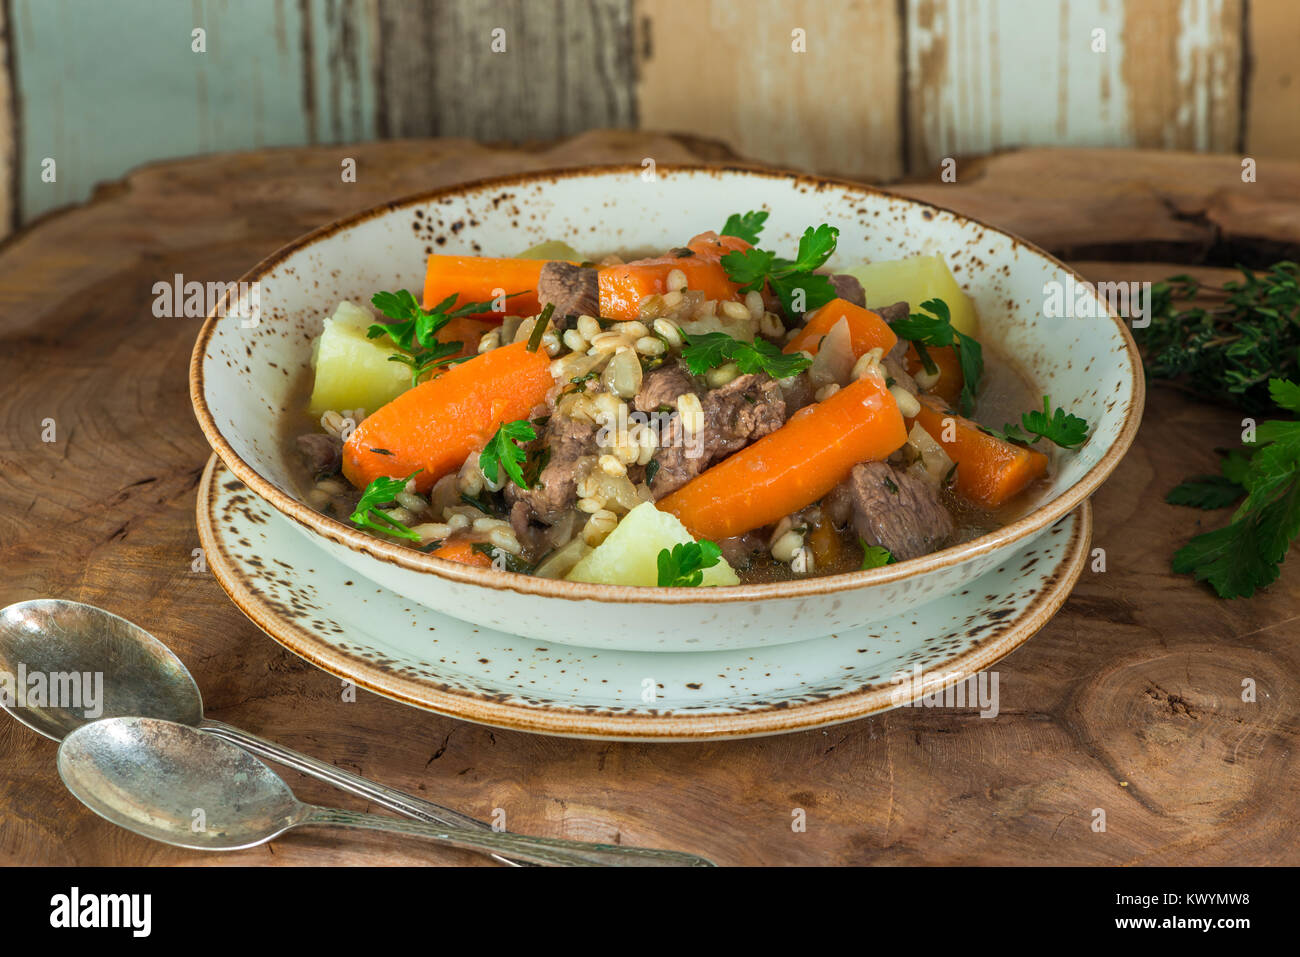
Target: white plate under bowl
{"type": "Point", "coordinates": [323, 611]}
{"type": "Point", "coordinates": [242, 385]}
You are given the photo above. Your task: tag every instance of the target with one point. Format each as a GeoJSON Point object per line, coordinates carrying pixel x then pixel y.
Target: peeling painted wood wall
{"type": "Point", "coordinates": [874, 89]}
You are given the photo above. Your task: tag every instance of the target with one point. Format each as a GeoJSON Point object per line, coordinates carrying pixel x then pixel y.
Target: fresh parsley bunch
{"type": "Point", "coordinates": [1247, 553]}
{"type": "Point", "coordinates": [754, 268]}
{"type": "Point", "coordinates": [937, 330]}
{"type": "Point", "coordinates": [1231, 350]}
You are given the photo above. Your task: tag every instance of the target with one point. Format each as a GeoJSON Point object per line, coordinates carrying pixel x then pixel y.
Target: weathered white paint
{"type": "Point", "coordinates": [104, 87]}
{"type": "Point", "coordinates": [991, 74]}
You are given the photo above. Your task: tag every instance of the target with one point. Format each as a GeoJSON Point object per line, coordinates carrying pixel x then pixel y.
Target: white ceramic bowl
{"type": "Point", "coordinates": [242, 380]}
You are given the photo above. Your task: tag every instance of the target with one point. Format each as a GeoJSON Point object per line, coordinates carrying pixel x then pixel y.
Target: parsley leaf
{"type": "Point", "coordinates": [1205, 491]}
{"type": "Point", "coordinates": [1247, 553]}
{"type": "Point", "coordinates": [502, 452]}
{"type": "Point", "coordinates": [414, 325]}
{"type": "Point", "coordinates": [426, 360]}
{"type": "Point", "coordinates": [874, 556]}
{"type": "Point", "coordinates": [684, 566]}
{"type": "Point", "coordinates": [937, 330]}
{"type": "Point", "coordinates": [511, 563]}
{"type": "Point", "coordinates": [746, 226]}
{"type": "Point", "coordinates": [751, 268]}
{"type": "Point", "coordinates": [1066, 430]}
{"type": "Point", "coordinates": [708, 350]}
{"type": "Point", "coordinates": [381, 491]}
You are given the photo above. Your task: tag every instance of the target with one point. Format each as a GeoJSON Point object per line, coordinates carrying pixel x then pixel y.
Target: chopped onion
{"type": "Point", "coordinates": [933, 463]}
{"type": "Point", "coordinates": [835, 359]}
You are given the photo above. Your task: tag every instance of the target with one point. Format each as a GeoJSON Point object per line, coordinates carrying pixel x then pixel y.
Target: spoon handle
{"type": "Point", "coordinates": [538, 850]}
{"type": "Point", "coordinates": [381, 794]}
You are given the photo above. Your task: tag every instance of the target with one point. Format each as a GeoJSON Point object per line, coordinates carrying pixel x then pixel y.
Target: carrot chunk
{"type": "Point", "coordinates": [990, 472]}
{"type": "Point", "coordinates": [480, 278]}
{"type": "Point", "coordinates": [713, 247]}
{"type": "Point", "coordinates": [436, 425]}
{"type": "Point", "coordinates": [792, 467]}
{"type": "Point", "coordinates": [463, 552]}
{"type": "Point", "coordinates": [867, 330]}
{"type": "Point", "coordinates": [623, 287]}
{"type": "Point", "coordinates": [948, 386]}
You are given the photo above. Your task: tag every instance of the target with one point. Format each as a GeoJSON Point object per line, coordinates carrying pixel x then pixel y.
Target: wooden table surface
{"type": "Point", "coordinates": [1128, 702]}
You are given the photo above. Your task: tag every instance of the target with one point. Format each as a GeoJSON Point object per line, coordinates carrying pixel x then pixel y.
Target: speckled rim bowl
{"type": "Point", "coordinates": [243, 377]}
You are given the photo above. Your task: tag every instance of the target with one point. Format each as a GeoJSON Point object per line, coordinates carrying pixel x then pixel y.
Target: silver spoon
{"type": "Point", "coordinates": [143, 678]}
{"type": "Point", "coordinates": [175, 784]}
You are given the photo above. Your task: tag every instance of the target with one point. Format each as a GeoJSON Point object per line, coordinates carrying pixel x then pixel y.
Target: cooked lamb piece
{"type": "Point", "coordinates": [556, 489]}
{"type": "Point", "coordinates": [848, 288]}
{"type": "Point", "coordinates": [893, 312]}
{"type": "Point", "coordinates": [894, 369]}
{"type": "Point", "coordinates": [573, 289]}
{"type": "Point", "coordinates": [799, 392]}
{"type": "Point", "coordinates": [892, 509]}
{"type": "Point", "coordinates": [739, 550]}
{"type": "Point", "coordinates": [322, 453]}
{"type": "Point", "coordinates": [662, 387]}
{"type": "Point", "coordinates": [745, 409]}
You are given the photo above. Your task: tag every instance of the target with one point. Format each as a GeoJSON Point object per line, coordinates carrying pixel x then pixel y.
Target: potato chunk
{"type": "Point", "coordinates": [630, 555]}
{"type": "Point", "coordinates": [353, 372]}
{"type": "Point", "coordinates": [914, 280]}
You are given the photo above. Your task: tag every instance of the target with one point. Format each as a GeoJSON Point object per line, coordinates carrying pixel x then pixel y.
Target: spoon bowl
{"type": "Point", "coordinates": [175, 784]}
{"type": "Point", "coordinates": [70, 645]}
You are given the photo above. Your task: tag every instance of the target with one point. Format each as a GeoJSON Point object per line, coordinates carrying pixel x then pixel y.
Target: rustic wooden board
{"type": "Point", "coordinates": [1128, 702]}
{"type": "Point", "coordinates": [1135, 204]}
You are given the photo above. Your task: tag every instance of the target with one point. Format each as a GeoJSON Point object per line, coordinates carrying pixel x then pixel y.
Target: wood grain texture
{"type": "Point", "coordinates": [1274, 94]}
{"type": "Point", "coordinates": [726, 69]}
{"type": "Point", "coordinates": [1129, 701]}
{"type": "Point", "coordinates": [556, 68]}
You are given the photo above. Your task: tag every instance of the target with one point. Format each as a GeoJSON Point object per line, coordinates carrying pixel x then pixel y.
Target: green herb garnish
{"type": "Point", "coordinates": [937, 330]}
{"type": "Point", "coordinates": [512, 562]}
{"type": "Point", "coordinates": [709, 350]}
{"type": "Point", "coordinates": [874, 556]}
{"type": "Point", "coordinates": [503, 452]}
{"type": "Point", "coordinates": [539, 327]}
{"type": "Point", "coordinates": [415, 326]}
{"type": "Point", "coordinates": [1066, 430]}
{"type": "Point", "coordinates": [752, 268]}
{"type": "Point", "coordinates": [1247, 553]}
{"type": "Point", "coordinates": [381, 491]}
{"type": "Point", "coordinates": [426, 360]}
{"type": "Point", "coordinates": [746, 226]}
{"type": "Point", "coordinates": [683, 567]}
{"type": "Point", "coordinates": [1230, 350]}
